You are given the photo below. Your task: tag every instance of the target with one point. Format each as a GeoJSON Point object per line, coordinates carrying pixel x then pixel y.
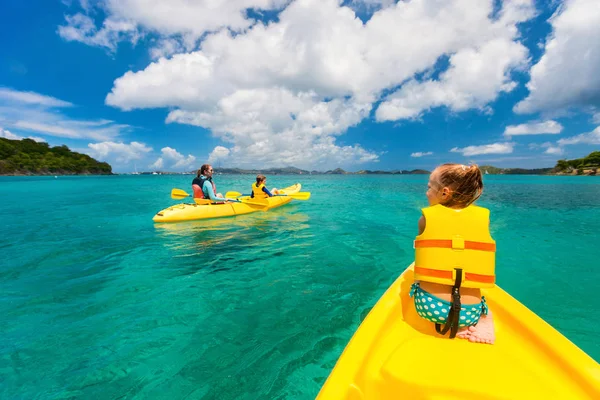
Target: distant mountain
{"type": "Point", "coordinates": [268, 171]}
{"type": "Point", "coordinates": [28, 157]}
{"type": "Point", "coordinates": [298, 171]}
{"type": "Point", "coordinates": [337, 171]}
{"type": "Point", "coordinates": [394, 172]}
{"type": "Point", "coordinates": [588, 165]}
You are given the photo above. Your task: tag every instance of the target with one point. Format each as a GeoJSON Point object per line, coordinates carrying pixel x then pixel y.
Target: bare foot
{"type": "Point", "coordinates": [465, 333]}
{"type": "Point", "coordinates": [483, 332]}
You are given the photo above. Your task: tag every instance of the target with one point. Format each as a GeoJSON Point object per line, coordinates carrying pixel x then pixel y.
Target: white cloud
{"type": "Point", "coordinates": [421, 154]}
{"type": "Point", "coordinates": [219, 153]}
{"type": "Point", "coordinates": [534, 128]}
{"type": "Point", "coordinates": [81, 28]}
{"type": "Point", "coordinates": [120, 153]}
{"type": "Point", "coordinates": [37, 113]}
{"type": "Point", "coordinates": [374, 3]}
{"type": "Point", "coordinates": [592, 137]}
{"type": "Point", "coordinates": [60, 126]}
{"type": "Point", "coordinates": [550, 148]}
{"type": "Point", "coordinates": [47, 129]}
{"type": "Point", "coordinates": [370, 5]}
{"type": "Point", "coordinates": [555, 150]}
{"type": "Point", "coordinates": [171, 158]}
{"type": "Point", "coordinates": [596, 118]}
{"type": "Point", "coordinates": [319, 46]}
{"type": "Point", "coordinates": [9, 135]}
{"type": "Point", "coordinates": [166, 48]}
{"type": "Point", "coordinates": [567, 74]}
{"type": "Point", "coordinates": [158, 164]}
{"type": "Point", "coordinates": [474, 79]}
{"type": "Point", "coordinates": [494, 148]}
{"type": "Point", "coordinates": [286, 90]}
{"type": "Point", "coordinates": [181, 20]}
{"type": "Point", "coordinates": [275, 127]}
{"type": "Point", "coordinates": [15, 96]}
{"type": "Point", "coordinates": [85, 4]}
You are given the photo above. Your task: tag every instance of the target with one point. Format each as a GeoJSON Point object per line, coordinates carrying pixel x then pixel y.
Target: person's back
{"type": "Point", "coordinates": [203, 185]}
{"type": "Point", "coordinates": [455, 255]}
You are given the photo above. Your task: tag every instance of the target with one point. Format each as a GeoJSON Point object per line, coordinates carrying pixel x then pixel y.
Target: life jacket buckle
{"type": "Point", "coordinates": [458, 243]}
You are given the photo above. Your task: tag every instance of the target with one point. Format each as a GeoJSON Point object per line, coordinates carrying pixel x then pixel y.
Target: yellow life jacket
{"type": "Point", "coordinates": [258, 191]}
{"type": "Point", "coordinates": [456, 239]}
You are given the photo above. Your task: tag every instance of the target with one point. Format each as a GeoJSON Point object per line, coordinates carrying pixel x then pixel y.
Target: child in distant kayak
{"type": "Point", "coordinates": [455, 255]}
{"type": "Point", "coordinates": [259, 189]}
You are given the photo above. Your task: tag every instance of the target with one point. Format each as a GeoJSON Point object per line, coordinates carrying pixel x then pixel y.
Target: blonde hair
{"type": "Point", "coordinates": [465, 182]}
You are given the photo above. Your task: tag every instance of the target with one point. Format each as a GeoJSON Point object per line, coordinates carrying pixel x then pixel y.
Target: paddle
{"type": "Point", "coordinates": [178, 194]}
{"type": "Point", "coordinates": [297, 196]}
{"type": "Point", "coordinates": [181, 194]}
{"type": "Point", "coordinates": [235, 194]}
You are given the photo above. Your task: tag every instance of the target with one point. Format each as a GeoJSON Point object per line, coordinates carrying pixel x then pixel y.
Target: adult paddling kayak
{"type": "Point", "coordinates": [395, 354]}
{"type": "Point", "coordinates": [191, 212]}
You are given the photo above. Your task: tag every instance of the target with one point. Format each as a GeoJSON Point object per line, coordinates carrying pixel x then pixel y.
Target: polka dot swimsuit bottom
{"type": "Point", "coordinates": [436, 310]}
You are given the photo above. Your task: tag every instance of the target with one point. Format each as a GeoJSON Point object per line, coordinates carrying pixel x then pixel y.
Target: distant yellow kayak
{"type": "Point", "coordinates": [395, 354]}
{"type": "Point", "coordinates": [192, 212]}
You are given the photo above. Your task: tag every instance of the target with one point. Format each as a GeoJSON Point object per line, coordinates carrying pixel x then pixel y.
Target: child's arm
{"type": "Point", "coordinates": [267, 191]}
{"type": "Point", "coordinates": [421, 224]}
{"type": "Point", "coordinates": [211, 194]}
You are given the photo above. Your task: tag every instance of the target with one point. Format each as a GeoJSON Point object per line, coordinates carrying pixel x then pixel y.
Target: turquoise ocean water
{"type": "Point", "coordinates": [99, 302]}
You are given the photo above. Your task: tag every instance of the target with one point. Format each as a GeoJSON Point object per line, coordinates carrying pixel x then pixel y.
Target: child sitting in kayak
{"type": "Point", "coordinates": [455, 255]}
{"type": "Point", "coordinates": [259, 189]}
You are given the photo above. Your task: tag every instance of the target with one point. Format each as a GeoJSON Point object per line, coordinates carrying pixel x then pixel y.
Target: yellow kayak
{"type": "Point", "coordinates": [191, 212]}
{"type": "Point", "coordinates": [395, 354]}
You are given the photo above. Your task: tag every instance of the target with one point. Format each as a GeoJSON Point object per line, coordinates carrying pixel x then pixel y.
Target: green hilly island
{"type": "Point", "coordinates": [28, 157]}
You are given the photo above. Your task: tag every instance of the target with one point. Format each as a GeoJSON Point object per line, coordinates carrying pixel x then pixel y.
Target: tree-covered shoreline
{"type": "Point", "coordinates": [588, 165]}
{"type": "Point", "coordinates": [28, 157]}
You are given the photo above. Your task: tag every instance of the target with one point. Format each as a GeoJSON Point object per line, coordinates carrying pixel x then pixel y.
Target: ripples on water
{"type": "Point", "coordinates": [99, 302]}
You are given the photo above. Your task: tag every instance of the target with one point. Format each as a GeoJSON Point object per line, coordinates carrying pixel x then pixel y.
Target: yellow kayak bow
{"type": "Point", "coordinates": [395, 354]}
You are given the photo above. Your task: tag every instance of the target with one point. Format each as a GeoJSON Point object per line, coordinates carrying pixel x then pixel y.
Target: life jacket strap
{"type": "Point", "coordinates": [468, 276]}
{"type": "Point", "coordinates": [452, 319]}
{"type": "Point", "coordinates": [455, 244]}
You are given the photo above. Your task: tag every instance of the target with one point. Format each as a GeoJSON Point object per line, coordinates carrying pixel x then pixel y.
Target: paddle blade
{"type": "Point", "coordinates": [301, 195]}
{"type": "Point", "coordinates": [255, 202]}
{"type": "Point", "coordinates": [232, 195]}
{"type": "Point", "coordinates": [298, 196]}
{"type": "Point", "coordinates": [178, 194]}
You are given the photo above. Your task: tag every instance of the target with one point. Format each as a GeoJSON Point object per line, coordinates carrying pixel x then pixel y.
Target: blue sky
{"type": "Point", "coordinates": [316, 84]}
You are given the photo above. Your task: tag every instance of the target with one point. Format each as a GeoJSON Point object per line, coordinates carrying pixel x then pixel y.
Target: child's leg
{"type": "Point", "coordinates": [274, 191]}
